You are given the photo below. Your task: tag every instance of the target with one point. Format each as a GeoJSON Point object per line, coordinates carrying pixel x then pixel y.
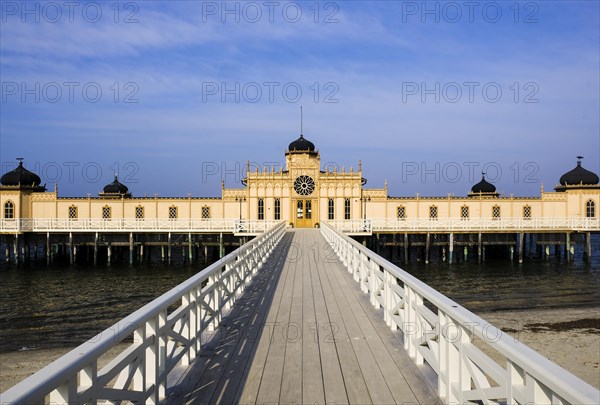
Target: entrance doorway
{"type": "Point", "coordinates": [305, 213]}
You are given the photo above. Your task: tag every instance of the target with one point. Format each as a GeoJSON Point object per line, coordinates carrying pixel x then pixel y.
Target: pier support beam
{"type": "Point", "coordinates": [162, 253]}
{"type": "Point", "coordinates": [142, 253]}
{"type": "Point", "coordinates": [109, 252]}
{"type": "Point", "coordinates": [521, 246]}
{"type": "Point", "coordinates": [190, 251]}
{"type": "Point", "coordinates": [479, 247]}
{"type": "Point", "coordinates": [587, 251]}
{"type": "Point", "coordinates": [466, 253]}
{"type": "Point", "coordinates": [547, 251]}
{"type": "Point", "coordinates": [96, 249]}
{"type": "Point", "coordinates": [427, 244]}
{"type": "Point", "coordinates": [7, 251]}
{"type": "Point", "coordinates": [406, 248]}
{"type": "Point", "coordinates": [71, 252]}
{"type": "Point", "coordinates": [169, 249]}
{"type": "Point", "coordinates": [16, 249]}
{"type": "Point", "coordinates": [568, 246]}
{"type": "Point", "coordinates": [221, 245]}
{"type": "Point", "coordinates": [48, 249]}
{"type": "Point", "coordinates": [451, 248]}
{"type": "Point", "coordinates": [130, 248]}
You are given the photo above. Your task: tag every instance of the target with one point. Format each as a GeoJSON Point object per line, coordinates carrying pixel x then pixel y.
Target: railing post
{"type": "Point", "coordinates": [387, 298]}
{"type": "Point", "coordinates": [453, 375]}
{"type": "Point", "coordinates": [65, 394]}
{"type": "Point", "coordinates": [155, 358]}
{"type": "Point", "coordinates": [372, 267]}
{"type": "Point", "coordinates": [139, 337]}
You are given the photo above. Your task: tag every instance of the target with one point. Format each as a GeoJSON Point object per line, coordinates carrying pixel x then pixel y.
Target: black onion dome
{"type": "Point", "coordinates": [579, 176]}
{"type": "Point", "coordinates": [301, 145]}
{"type": "Point", "coordinates": [483, 187]}
{"type": "Point", "coordinates": [20, 177]}
{"type": "Point", "coordinates": [116, 187]}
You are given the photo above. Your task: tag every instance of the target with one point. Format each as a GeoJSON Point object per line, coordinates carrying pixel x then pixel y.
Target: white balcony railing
{"type": "Point", "coordinates": [443, 334]}
{"type": "Point", "coordinates": [135, 225]}
{"type": "Point", "coordinates": [162, 340]}
{"type": "Point", "coordinates": [556, 224]}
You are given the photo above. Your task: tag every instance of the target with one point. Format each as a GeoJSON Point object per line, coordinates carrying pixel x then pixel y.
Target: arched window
{"type": "Point", "coordinates": [433, 212]}
{"type": "Point", "coordinates": [590, 209]}
{"type": "Point", "coordinates": [9, 210]}
{"type": "Point", "coordinates": [331, 209]}
{"type": "Point", "coordinates": [496, 212]}
{"type": "Point", "coordinates": [402, 212]}
{"type": "Point", "coordinates": [172, 212]}
{"type": "Point", "coordinates": [72, 212]}
{"type": "Point", "coordinates": [527, 212]}
{"type": "Point", "coordinates": [139, 212]}
{"type": "Point", "coordinates": [464, 212]}
{"type": "Point", "coordinates": [106, 214]}
{"type": "Point", "coordinates": [347, 208]}
{"type": "Point", "coordinates": [261, 208]}
{"type": "Point", "coordinates": [206, 212]}
{"type": "Point", "coordinates": [277, 212]}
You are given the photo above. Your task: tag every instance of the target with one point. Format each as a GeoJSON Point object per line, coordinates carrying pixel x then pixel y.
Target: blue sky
{"type": "Point", "coordinates": [426, 94]}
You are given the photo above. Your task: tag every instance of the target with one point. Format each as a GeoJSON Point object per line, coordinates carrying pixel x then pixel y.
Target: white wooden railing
{"type": "Point", "coordinates": [161, 339]}
{"type": "Point", "coordinates": [445, 337]}
{"type": "Point", "coordinates": [516, 224]}
{"type": "Point", "coordinates": [135, 225]}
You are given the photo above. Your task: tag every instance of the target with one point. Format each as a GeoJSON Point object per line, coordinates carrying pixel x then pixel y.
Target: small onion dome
{"type": "Point", "coordinates": [115, 189]}
{"type": "Point", "coordinates": [578, 178]}
{"type": "Point", "coordinates": [22, 178]}
{"type": "Point", "coordinates": [302, 145]}
{"type": "Point", "coordinates": [484, 188]}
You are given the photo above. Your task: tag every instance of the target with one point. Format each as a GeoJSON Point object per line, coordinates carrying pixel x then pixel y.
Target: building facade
{"type": "Point", "coordinates": [303, 195]}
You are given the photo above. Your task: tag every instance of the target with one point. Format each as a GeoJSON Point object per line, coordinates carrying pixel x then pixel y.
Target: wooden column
{"type": "Point", "coordinates": [427, 244]}
{"type": "Point", "coordinates": [71, 253]}
{"type": "Point", "coordinates": [406, 248]}
{"type": "Point", "coordinates": [169, 249]}
{"type": "Point", "coordinates": [96, 249]}
{"type": "Point", "coordinates": [479, 247]}
{"type": "Point", "coordinates": [48, 247]}
{"type": "Point", "coordinates": [521, 246]}
{"type": "Point", "coordinates": [587, 251]}
{"type": "Point", "coordinates": [451, 248]}
{"type": "Point", "coordinates": [221, 248]}
{"type": "Point", "coordinates": [130, 248]}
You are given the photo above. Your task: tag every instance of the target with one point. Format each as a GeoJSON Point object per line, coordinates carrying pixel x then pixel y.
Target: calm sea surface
{"type": "Point", "coordinates": [62, 306]}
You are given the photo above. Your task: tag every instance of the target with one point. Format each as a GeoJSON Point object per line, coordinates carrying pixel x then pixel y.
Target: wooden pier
{"type": "Point", "coordinates": [303, 316]}
{"type": "Point", "coordinates": [304, 333]}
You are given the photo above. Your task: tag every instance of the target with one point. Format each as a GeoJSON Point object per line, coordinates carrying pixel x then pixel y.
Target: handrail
{"type": "Point", "coordinates": [135, 225]}
{"type": "Point", "coordinates": [161, 340]}
{"type": "Point", "coordinates": [453, 224]}
{"type": "Point", "coordinates": [445, 339]}
{"type": "Point", "coordinates": [253, 226]}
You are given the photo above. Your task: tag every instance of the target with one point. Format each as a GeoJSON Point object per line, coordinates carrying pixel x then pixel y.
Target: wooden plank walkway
{"type": "Point", "coordinates": [303, 333]}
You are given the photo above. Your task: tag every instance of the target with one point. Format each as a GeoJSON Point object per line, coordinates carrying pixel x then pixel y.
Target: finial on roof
{"type": "Point", "coordinates": [579, 159]}
{"type": "Point", "coordinates": [301, 124]}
